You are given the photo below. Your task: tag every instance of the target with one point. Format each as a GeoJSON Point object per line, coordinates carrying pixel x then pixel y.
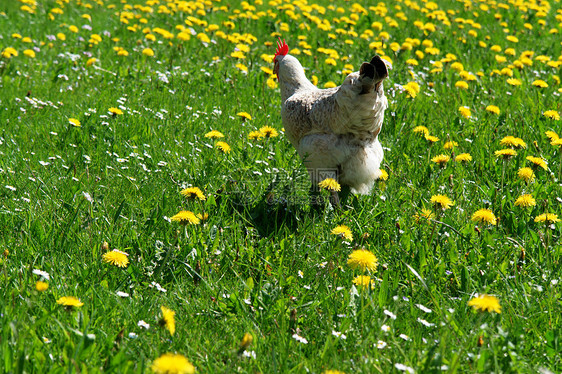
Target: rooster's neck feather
{"type": "Point", "coordinates": [292, 78]}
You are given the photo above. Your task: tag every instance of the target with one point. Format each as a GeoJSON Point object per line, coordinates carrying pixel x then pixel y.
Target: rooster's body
{"type": "Point", "coordinates": [335, 128]}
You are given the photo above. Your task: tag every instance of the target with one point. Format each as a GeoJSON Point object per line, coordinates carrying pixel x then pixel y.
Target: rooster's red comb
{"type": "Point", "coordinates": [282, 48]}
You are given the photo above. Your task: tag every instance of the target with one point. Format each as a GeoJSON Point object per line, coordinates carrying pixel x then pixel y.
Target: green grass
{"type": "Point", "coordinates": [265, 262]}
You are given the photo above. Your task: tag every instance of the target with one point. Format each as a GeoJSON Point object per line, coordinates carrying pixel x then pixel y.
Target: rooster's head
{"type": "Point", "coordinates": [280, 53]}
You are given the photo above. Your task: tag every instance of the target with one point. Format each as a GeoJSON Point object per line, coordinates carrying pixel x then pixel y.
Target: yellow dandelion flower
{"type": "Point", "coordinates": [266, 70]}
{"type": "Point", "coordinates": [223, 146]}
{"type": "Point", "coordinates": [244, 115]}
{"type": "Point", "coordinates": [363, 260]}
{"type": "Point", "coordinates": [425, 214]}
{"type": "Point", "coordinates": [271, 83]}
{"type": "Point", "coordinates": [484, 216]}
{"type": "Point", "coordinates": [540, 83]}
{"type": "Point", "coordinates": [421, 129]}
{"type": "Point", "coordinates": [117, 258]}
{"type": "Point", "coordinates": [203, 217]}
{"type": "Point", "coordinates": [203, 37]}
{"type": "Point", "coordinates": [314, 80]}
{"type": "Point", "coordinates": [91, 61]}
{"type": "Point", "coordinates": [115, 111]}
{"type": "Point", "coordinates": [556, 142]}
{"type": "Point", "coordinates": [500, 59]}
{"type": "Point", "coordinates": [493, 109]}
{"type": "Point", "coordinates": [547, 218]}
{"type": "Point", "coordinates": [74, 122]}
{"type": "Point", "coordinates": [485, 303]}
{"type": "Point", "coordinates": [364, 281]}
{"type": "Point", "coordinates": [441, 159]}
{"type": "Point", "coordinates": [193, 192]}
{"type": "Point", "coordinates": [172, 363]}
{"type": "Point", "coordinates": [330, 84]}
{"type": "Point", "coordinates": [255, 135]}
{"type": "Point", "coordinates": [469, 76]}
{"type": "Point", "coordinates": [330, 184]}
{"type": "Point", "coordinates": [505, 153]}
{"type": "Point", "coordinates": [183, 36]}
{"type": "Point", "coordinates": [552, 114]}
{"type": "Point", "coordinates": [457, 66]}
{"type": "Point", "coordinates": [450, 144]}
{"type": "Point", "coordinates": [186, 217]}
{"type": "Point", "coordinates": [462, 85]}
{"type": "Point", "coordinates": [168, 320]}
{"type": "Point", "coordinates": [267, 58]}
{"type": "Point", "coordinates": [526, 174]}
{"type": "Point", "coordinates": [384, 175]}
{"type": "Point", "coordinates": [441, 202]}
{"type": "Point", "coordinates": [342, 231]}
{"type": "Point", "coordinates": [463, 157]}
{"type": "Point", "coordinates": [269, 132]}
{"type": "Point", "coordinates": [431, 138]}
{"type": "Point", "coordinates": [238, 54]}
{"type": "Point", "coordinates": [70, 302]}
{"type": "Point", "coordinates": [511, 141]}
{"type": "Point", "coordinates": [9, 52]}
{"type": "Point", "coordinates": [29, 53]}
{"type": "Point", "coordinates": [214, 134]}
{"type": "Point", "coordinates": [41, 286]}
{"type": "Point", "coordinates": [412, 89]}
{"type": "Point", "coordinates": [537, 162]}
{"type": "Point", "coordinates": [552, 135]}
{"type": "Point", "coordinates": [514, 82]}
{"type": "Point", "coordinates": [148, 52]}
{"type": "Point", "coordinates": [242, 67]}
{"type": "Point", "coordinates": [96, 38]}
{"type": "Point", "coordinates": [525, 201]}
{"type": "Point", "coordinates": [465, 111]}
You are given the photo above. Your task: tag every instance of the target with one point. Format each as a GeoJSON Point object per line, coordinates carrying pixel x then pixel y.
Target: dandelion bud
{"type": "Point", "coordinates": [246, 341]}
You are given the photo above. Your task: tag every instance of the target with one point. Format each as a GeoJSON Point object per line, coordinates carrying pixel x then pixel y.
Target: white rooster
{"type": "Point", "coordinates": [335, 128]}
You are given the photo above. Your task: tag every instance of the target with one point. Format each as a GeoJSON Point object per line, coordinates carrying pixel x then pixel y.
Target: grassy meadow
{"type": "Point", "coordinates": [110, 109]}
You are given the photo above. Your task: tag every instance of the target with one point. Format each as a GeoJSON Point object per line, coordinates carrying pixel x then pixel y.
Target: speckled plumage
{"type": "Point", "coordinates": [334, 128]}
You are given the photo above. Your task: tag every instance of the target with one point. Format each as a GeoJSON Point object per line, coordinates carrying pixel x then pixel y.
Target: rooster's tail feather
{"type": "Point", "coordinates": [372, 73]}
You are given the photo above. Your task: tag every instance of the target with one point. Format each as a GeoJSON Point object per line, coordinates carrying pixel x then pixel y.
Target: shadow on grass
{"type": "Point", "coordinates": [273, 209]}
